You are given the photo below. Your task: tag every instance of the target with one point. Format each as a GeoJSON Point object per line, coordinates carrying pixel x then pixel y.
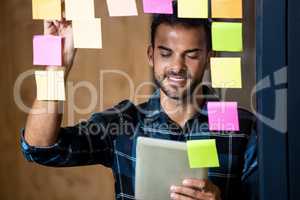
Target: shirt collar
{"type": "Point", "coordinates": [154, 109]}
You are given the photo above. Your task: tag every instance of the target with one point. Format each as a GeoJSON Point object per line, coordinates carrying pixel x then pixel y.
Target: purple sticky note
{"type": "Point", "coordinates": [223, 116]}
{"type": "Point", "coordinates": [47, 50]}
{"type": "Point", "coordinates": [158, 6]}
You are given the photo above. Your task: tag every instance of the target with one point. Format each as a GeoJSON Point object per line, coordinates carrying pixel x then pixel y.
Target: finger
{"type": "Point", "coordinates": [193, 193]}
{"type": "Point", "coordinates": [49, 28]}
{"type": "Point", "coordinates": [175, 196]}
{"type": "Point", "coordinates": [195, 183]}
{"type": "Point", "coordinates": [65, 23]}
{"type": "Point", "coordinates": [48, 23]}
{"type": "Point", "coordinates": [56, 23]}
{"type": "Point", "coordinates": [63, 13]}
{"type": "Point", "coordinates": [209, 196]}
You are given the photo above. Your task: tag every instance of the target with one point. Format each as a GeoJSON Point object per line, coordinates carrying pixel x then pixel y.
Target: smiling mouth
{"type": "Point", "coordinates": [177, 80]}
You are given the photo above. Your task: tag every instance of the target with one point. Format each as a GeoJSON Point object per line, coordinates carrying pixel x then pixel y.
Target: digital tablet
{"type": "Point", "coordinates": [160, 164]}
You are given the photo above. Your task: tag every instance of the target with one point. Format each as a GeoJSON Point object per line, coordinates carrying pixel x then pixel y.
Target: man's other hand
{"type": "Point", "coordinates": [195, 189]}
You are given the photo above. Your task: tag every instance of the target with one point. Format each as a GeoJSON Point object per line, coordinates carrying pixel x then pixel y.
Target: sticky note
{"type": "Point", "coordinates": [50, 85]}
{"type": "Point", "coordinates": [227, 36]}
{"type": "Point", "coordinates": [227, 9]}
{"type": "Point", "coordinates": [202, 153]}
{"type": "Point", "coordinates": [193, 8]}
{"type": "Point", "coordinates": [87, 33]}
{"type": "Point", "coordinates": [226, 72]}
{"type": "Point", "coordinates": [46, 9]}
{"type": "Point", "coordinates": [47, 50]}
{"type": "Point", "coordinates": [158, 6]}
{"type": "Point", "coordinates": [79, 9]}
{"type": "Point", "coordinates": [223, 116]}
{"type": "Point", "coordinates": [118, 8]}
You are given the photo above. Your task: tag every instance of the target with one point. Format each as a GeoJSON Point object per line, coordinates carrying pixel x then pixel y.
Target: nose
{"type": "Point", "coordinates": [178, 64]}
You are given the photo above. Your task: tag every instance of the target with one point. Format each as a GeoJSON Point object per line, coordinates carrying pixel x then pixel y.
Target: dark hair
{"type": "Point", "coordinates": [172, 19]}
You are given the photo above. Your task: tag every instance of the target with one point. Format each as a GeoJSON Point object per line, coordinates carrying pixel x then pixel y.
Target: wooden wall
{"type": "Point", "coordinates": [125, 42]}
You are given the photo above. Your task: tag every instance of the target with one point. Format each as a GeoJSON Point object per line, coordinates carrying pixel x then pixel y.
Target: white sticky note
{"type": "Point", "coordinates": [50, 85]}
{"type": "Point", "coordinates": [87, 33]}
{"type": "Point", "coordinates": [118, 8]}
{"type": "Point", "coordinates": [79, 9]}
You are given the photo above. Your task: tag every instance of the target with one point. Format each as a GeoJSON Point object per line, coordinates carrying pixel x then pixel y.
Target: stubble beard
{"type": "Point", "coordinates": [177, 93]}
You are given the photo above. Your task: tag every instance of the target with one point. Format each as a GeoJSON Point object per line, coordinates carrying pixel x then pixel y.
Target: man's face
{"type": "Point", "coordinates": [179, 58]}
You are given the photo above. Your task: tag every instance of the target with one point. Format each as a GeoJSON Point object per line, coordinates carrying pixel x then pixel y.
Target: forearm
{"type": "Point", "coordinates": [48, 144]}
{"type": "Point", "coordinates": [43, 123]}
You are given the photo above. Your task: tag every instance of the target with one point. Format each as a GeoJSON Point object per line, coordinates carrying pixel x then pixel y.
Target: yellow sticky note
{"type": "Point", "coordinates": [193, 8]}
{"type": "Point", "coordinates": [50, 85]}
{"type": "Point", "coordinates": [79, 9]}
{"type": "Point", "coordinates": [118, 8]}
{"type": "Point", "coordinates": [87, 33]}
{"type": "Point", "coordinates": [46, 9]}
{"type": "Point", "coordinates": [226, 72]}
{"type": "Point", "coordinates": [227, 36]}
{"type": "Point", "coordinates": [202, 153]}
{"type": "Point", "coordinates": [227, 9]}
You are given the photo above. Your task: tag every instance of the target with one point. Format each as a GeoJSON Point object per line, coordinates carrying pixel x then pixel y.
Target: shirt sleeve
{"type": "Point", "coordinates": [250, 184]}
{"type": "Point", "coordinates": [89, 142]}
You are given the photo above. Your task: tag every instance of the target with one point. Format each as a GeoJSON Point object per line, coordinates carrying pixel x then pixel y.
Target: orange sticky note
{"type": "Point", "coordinates": [227, 9]}
{"type": "Point", "coordinates": [46, 9]}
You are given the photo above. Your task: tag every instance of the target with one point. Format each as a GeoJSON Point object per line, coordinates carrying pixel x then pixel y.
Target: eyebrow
{"type": "Point", "coordinates": [193, 50]}
{"type": "Point", "coordinates": [187, 51]}
{"type": "Point", "coordinates": [164, 48]}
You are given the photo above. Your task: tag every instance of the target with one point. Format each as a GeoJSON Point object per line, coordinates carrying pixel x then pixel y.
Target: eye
{"type": "Point", "coordinates": [193, 55]}
{"type": "Point", "coordinates": [165, 53]}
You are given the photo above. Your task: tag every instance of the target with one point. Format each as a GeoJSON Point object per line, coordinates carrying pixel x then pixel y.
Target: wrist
{"type": "Point", "coordinates": [54, 68]}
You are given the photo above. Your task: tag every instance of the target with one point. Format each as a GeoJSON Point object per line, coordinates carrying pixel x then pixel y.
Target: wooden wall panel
{"type": "Point", "coordinates": [125, 41]}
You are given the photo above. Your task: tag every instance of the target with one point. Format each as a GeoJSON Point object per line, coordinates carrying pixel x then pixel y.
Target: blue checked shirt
{"type": "Point", "coordinates": [109, 138]}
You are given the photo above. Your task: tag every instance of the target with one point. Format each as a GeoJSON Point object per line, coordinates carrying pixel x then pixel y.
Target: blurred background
{"type": "Point", "coordinates": [125, 41]}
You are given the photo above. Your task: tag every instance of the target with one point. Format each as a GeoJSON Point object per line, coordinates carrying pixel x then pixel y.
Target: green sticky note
{"type": "Point", "coordinates": [202, 153]}
{"type": "Point", "coordinates": [227, 36]}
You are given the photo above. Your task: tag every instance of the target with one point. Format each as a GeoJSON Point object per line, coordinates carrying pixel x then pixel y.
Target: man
{"type": "Point", "coordinates": [180, 51]}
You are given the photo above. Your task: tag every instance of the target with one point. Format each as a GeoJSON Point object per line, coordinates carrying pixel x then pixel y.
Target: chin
{"type": "Point", "coordinates": [174, 92]}
{"type": "Point", "coordinates": [177, 92]}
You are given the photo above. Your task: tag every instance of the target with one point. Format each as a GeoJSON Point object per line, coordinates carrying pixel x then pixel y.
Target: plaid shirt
{"type": "Point", "coordinates": [109, 138]}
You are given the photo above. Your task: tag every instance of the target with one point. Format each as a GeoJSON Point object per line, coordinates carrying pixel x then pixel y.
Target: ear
{"type": "Point", "coordinates": [150, 53]}
{"type": "Point", "coordinates": [210, 54]}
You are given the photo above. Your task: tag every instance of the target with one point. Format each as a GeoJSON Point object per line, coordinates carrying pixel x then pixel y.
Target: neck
{"type": "Point", "coordinates": [180, 111]}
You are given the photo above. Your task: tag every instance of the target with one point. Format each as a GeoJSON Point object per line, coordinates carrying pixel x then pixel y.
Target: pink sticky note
{"type": "Point", "coordinates": [158, 6]}
{"type": "Point", "coordinates": [223, 116]}
{"type": "Point", "coordinates": [47, 50]}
